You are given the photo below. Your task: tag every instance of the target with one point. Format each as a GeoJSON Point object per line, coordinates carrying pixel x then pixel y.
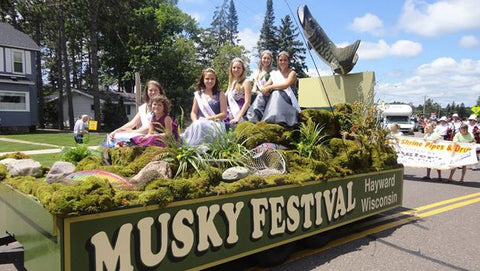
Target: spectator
{"type": "Point", "coordinates": [80, 129]}
{"type": "Point", "coordinates": [475, 131]}
{"type": "Point", "coordinates": [442, 128]}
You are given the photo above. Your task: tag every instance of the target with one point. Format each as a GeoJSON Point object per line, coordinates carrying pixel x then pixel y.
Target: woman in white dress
{"type": "Point", "coordinates": [277, 102]}
{"type": "Point", "coordinates": [262, 74]}
{"type": "Point", "coordinates": [209, 108]}
{"type": "Point", "coordinates": [239, 92]}
{"type": "Point", "coordinates": [141, 122]}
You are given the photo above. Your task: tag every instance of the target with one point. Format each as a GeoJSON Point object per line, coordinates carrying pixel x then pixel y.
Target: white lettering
{"type": "Point", "coordinates": [293, 214]}
{"type": "Point", "coordinates": [277, 223]}
{"type": "Point", "coordinates": [106, 254]}
{"type": "Point", "coordinates": [182, 233]}
{"type": "Point", "coordinates": [144, 226]}
{"type": "Point", "coordinates": [259, 207]}
{"type": "Point", "coordinates": [232, 217]}
{"type": "Point", "coordinates": [206, 227]}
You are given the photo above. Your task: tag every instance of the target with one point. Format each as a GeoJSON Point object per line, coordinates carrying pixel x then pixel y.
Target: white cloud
{"type": "Point", "coordinates": [469, 41]}
{"type": "Point", "coordinates": [381, 49]}
{"type": "Point", "coordinates": [444, 80]}
{"type": "Point", "coordinates": [369, 23]}
{"type": "Point", "coordinates": [248, 38]}
{"type": "Point", "coordinates": [405, 48]}
{"type": "Point", "coordinates": [441, 17]}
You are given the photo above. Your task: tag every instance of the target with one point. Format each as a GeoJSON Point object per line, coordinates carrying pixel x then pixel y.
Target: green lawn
{"type": "Point", "coordinates": [13, 146]}
{"type": "Point", "coordinates": [47, 159]}
{"type": "Point", "coordinates": [59, 139]}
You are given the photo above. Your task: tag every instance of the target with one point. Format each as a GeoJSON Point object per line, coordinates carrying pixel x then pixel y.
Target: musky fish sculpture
{"type": "Point", "coordinates": [341, 60]}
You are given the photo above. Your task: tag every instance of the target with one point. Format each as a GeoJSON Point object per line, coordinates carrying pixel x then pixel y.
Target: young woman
{"type": "Point", "coordinates": [277, 102]}
{"type": "Point", "coordinates": [239, 91]}
{"type": "Point", "coordinates": [141, 121]}
{"type": "Point", "coordinates": [262, 75]}
{"type": "Point", "coordinates": [209, 108]}
{"type": "Point", "coordinates": [161, 125]}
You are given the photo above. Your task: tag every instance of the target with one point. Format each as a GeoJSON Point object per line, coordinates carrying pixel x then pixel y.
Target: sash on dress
{"type": "Point", "coordinates": [277, 78]}
{"type": "Point", "coordinates": [203, 105]}
{"type": "Point", "coordinates": [234, 108]}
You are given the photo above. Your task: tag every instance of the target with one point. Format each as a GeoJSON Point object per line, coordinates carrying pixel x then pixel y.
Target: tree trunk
{"type": "Point", "coordinates": [93, 4]}
{"type": "Point", "coordinates": [39, 79]}
{"type": "Point", "coordinates": [60, 83]}
{"type": "Point", "coordinates": [66, 68]}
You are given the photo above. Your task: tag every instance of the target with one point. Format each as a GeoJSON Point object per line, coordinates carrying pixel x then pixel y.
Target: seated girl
{"type": "Point", "coordinates": [277, 102]}
{"type": "Point", "coordinates": [209, 108]}
{"type": "Point", "coordinates": [162, 127]}
{"type": "Point", "coordinates": [238, 92]}
{"type": "Point", "coordinates": [140, 123]}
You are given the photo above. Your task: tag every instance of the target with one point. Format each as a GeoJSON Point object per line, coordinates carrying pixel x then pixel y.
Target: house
{"type": "Point", "coordinates": [18, 89]}
{"type": "Point", "coordinates": [83, 102]}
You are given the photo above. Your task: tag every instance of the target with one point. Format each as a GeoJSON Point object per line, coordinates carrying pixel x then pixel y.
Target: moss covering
{"type": "Point", "coordinates": [326, 118]}
{"type": "Point", "coordinates": [15, 155]}
{"type": "Point", "coordinates": [256, 134]}
{"type": "Point", "coordinates": [3, 172]}
{"type": "Point", "coordinates": [354, 143]}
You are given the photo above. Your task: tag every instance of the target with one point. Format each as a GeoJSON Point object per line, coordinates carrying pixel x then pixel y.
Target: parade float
{"type": "Point", "coordinates": [134, 208]}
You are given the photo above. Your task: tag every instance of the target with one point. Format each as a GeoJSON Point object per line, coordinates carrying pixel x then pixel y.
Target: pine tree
{"type": "Point", "coordinates": [218, 27]}
{"type": "Point", "coordinates": [268, 38]}
{"type": "Point", "coordinates": [232, 24]}
{"type": "Point", "coordinates": [287, 41]}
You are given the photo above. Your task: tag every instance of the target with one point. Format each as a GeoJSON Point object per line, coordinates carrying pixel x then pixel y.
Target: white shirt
{"type": "Point", "coordinates": [79, 127]}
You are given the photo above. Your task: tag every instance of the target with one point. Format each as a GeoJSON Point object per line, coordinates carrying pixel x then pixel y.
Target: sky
{"type": "Point", "coordinates": [418, 49]}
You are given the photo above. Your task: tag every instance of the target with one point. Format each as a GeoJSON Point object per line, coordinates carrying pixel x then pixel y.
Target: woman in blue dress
{"type": "Point", "coordinates": [209, 108]}
{"type": "Point", "coordinates": [277, 102]}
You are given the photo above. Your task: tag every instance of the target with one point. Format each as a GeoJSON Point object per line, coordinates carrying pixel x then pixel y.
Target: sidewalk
{"type": "Point", "coordinates": [54, 149]}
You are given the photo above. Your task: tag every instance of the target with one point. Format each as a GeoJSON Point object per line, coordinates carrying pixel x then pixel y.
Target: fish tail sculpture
{"type": "Point", "coordinates": [341, 60]}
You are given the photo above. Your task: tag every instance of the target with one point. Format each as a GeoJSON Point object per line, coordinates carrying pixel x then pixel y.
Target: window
{"type": "Point", "coordinates": [18, 62]}
{"type": "Point", "coordinates": [14, 101]}
{"type": "Point", "coordinates": [127, 109]}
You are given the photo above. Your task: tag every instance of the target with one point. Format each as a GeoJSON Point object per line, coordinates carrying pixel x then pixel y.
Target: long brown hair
{"type": "Point", "coordinates": [243, 76]}
{"type": "Point", "coordinates": [201, 85]}
{"type": "Point", "coordinates": [145, 90]}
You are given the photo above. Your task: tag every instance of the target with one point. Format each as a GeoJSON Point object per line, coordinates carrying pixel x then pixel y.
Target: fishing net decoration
{"type": "Point", "coordinates": [266, 161]}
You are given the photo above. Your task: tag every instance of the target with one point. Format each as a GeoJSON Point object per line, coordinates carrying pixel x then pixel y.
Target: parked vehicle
{"type": "Point", "coordinates": [397, 113]}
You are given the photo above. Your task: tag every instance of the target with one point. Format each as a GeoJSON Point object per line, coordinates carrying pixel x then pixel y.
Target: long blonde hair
{"type": "Point", "coordinates": [243, 76]}
{"type": "Point", "coordinates": [260, 66]}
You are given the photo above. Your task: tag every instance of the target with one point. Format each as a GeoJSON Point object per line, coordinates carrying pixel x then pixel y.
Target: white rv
{"type": "Point", "coordinates": [397, 113]}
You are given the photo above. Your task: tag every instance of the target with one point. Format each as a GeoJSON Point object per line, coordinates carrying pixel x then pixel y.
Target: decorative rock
{"type": "Point", "coordinates": [22, 167]}
{"type": "Point", "coordinates": [59, 170]}
{"type": "Point", "coordinates": [152, 171]}
{"type": "Point", "coordinates": [235, 173]}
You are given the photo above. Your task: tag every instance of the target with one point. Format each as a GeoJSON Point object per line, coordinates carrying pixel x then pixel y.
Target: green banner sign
{"type": "Point", "coordinates": [209, 231]}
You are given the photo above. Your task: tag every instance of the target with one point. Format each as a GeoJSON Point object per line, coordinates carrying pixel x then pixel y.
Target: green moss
{"type": "Point", "coordinates": [148, 155]}
{"type": "Point", "coordinates": [160, 196]}
{"type": "Point", "coordinates": [248, 183]}
{"type": "Point", "coordinates": [15, 155]}
{"type": "Point", "coordinates": [124, 156]}
{"type": "Point", "coordinates": [127, 197]}
{"type": "Point", "coordinates": [3, 172]}
{"type": "Point", "coordinates": [89, 163]}
{"type": "Point", "coordinates": [323, 117]}
{"type": "Point", "coordinates": [258, 133]}
{"type": "Point", "coordinates": [119, 170]}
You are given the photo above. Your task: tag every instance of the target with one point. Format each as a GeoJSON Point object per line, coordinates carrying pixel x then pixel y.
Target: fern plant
{"type": "Point", "coordinates": [226, 150]}
{"type": "Point", "coordinates": [311, 135]}
{"type": "Point", "coordinates": [76, 154]}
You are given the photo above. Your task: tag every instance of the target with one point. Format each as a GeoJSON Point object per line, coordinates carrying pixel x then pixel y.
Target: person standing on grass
{"type": "Point", "coordinates": [80, 129]}
{"type": "Point", "coordinates": [463, 137]}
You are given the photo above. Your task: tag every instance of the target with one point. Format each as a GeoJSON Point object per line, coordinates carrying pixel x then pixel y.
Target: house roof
{"type": "Point", "coordinates": [12, 37]}
{"type": "Point", "coordinates": [128, 98]}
